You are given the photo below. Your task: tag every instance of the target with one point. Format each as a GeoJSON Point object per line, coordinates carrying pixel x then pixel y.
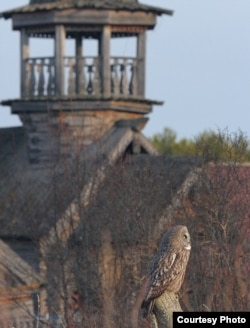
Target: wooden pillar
{"type": "Point", "coordinates": [24, 42]}
{"type": "Point", "coordinates": [141, 57]}
{"type": "Point", "coordinates": [59, 59]}
{"type": "Point", "coordinates": [99, 46]}
{"type": "Point", "coordinates": [78, 54]}
{"type": "Point", "coordinates": [105, 61]}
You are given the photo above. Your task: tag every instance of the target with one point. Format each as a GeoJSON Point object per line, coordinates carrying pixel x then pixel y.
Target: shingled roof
{"type": "Point", "coordinates": [32, 200]}
{"type": "Point", "coordinates": [28, 203]}
{"type": "Point", "coordinates": [49, 5]}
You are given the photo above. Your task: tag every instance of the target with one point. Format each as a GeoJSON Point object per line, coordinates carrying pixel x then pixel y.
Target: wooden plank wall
{"type": "Point", "coordinates": [17, 323]}
{"type": "Point", "coordinates": [61, 135]}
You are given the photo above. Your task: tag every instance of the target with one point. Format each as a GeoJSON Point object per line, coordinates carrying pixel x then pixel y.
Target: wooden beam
{"type": "Point", "coordinates": [24, 49]}
{"type": "Point", "coordinates": [141, 56]}
{"type": "Point", "coordinates": [59, 59]}
{"type": "Point", "coordinates": [17, 266]}
{"type": "Point", "coordinates": [89, 17]}
{"type": "Point", "coordinates": [45, 106]}
{"type": "Point", "coordinates": [79, 55]}
{"type": "Point", "coordinates": [105, 60]}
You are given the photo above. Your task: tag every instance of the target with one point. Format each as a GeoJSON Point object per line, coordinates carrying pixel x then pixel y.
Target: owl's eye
{"type": "Point", "coordinates": [185, 236]}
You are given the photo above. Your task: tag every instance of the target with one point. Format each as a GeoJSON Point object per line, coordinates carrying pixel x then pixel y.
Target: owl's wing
{"type": "Point", "coordinates": [163, 270]}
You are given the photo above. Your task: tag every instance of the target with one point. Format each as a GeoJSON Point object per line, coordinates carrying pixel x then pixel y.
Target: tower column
{"type": "Point", "coordinates": [78, 54]}
{"type": "Point", "coordinates": [141, 57]}
{"type": "Point", "coordinates": [24, 49]}
{"type": "Point", "coordinates": [105, 60]}
{"type": "Point", "coordinates": [59, 59]}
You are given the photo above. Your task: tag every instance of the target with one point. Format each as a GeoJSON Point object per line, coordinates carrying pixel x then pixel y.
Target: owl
{"type": "Point", "coordinates": [167, 268]}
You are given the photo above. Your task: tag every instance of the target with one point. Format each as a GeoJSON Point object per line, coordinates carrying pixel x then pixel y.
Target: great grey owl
{"type": "Point", "coordinates": [167, 268]}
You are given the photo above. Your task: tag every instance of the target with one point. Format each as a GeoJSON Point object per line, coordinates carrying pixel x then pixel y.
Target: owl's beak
{"type": "Point", "coordinates": [188, 247]}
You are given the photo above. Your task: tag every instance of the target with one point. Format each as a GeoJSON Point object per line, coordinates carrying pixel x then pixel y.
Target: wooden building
{"type": "Point", "coordinates": [83, 198]}
{"type": "Point", "coordinates": [77, 110]}
{"type": "Point", "coordinates": [64, 98]}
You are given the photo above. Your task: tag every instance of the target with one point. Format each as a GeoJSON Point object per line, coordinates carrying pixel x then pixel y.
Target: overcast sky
{"type": "Point", "coordinates": [198, 63]}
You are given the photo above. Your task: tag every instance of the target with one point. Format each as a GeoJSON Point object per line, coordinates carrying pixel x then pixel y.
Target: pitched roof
{"type": "Point", "coordinates": [43, 6]}
{"type": "Point", "coordinates": [33, 199]}
{"type": "Point", "coordinates": [20, 271]}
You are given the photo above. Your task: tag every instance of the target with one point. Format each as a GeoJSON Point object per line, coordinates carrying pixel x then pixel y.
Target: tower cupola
{"type": "Point", "coordinates": [70, 92]}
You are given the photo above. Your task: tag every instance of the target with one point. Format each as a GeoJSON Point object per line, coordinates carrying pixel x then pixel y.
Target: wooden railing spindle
{"type": "Point", "coordinates": [133, 79]}
{"type": "Point", "coordinates": [82, 77]}
{"type": "Point", "coordinates": [27, 78]}
{"type": "Point", "coordinates": [40, 88]}
{"type": "Point", "coordinates": [124, 78]}
{"type": "Point", "coordinates": [116, 78]}
{"type": "Point", "coordinates": [51, 78]}
{"type": "Point", "coordinates": [71, 76]}
{"type": "Point", "coordinates": [40, 77]}
{"type": "Point", "coordinates": [32, 78]}
{"type": "Point", "coordinates": [96, 77]}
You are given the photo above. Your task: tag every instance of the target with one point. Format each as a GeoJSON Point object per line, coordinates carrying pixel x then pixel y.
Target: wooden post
{"type": "Point", "coordinates": [162, 314]}
{"type": "Point", "coordinates": [24, 55]}
{"type": "Point", "coordinates": [141, 60]}
{"type": "Point", "coordinates": [165, 305]}
{"type": "Point", "coordinates": [105, 60]}
{"type": "Point", "coordinates": [59, 59]}
{"type": "Point", "coordinates": [78, 54]}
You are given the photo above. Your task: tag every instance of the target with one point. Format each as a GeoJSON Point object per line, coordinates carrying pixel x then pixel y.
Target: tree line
{"type": "Point", "coordinates": [217, 143]}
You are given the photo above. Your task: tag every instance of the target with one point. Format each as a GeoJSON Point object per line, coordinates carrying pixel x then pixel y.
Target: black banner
{"type": "Point", "coordinates": [211, 319]}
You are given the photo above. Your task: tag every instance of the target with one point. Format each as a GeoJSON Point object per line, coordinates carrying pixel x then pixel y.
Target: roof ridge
{"type": "Point", "coordinates": [48, 5]}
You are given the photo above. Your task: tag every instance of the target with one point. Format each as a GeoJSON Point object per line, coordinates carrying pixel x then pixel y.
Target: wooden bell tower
{"type": "Point", "coordinates": [64, 98]}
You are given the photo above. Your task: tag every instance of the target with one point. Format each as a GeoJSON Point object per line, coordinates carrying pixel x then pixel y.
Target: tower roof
{"type": "Point", "coordinates": [49, 5]}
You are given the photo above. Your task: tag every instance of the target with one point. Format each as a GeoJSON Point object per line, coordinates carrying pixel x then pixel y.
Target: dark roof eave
{"type": "Point", "coordinates": [9, 102]}
{"type": "Point", "coordinates": [52, 6]}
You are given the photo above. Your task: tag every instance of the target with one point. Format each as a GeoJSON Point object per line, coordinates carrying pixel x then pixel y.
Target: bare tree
{"type": "Point", "coordinates": [95, 268]}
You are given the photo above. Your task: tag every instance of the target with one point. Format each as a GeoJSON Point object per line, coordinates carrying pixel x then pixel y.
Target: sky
{"type": "Point", "coordinates": [198, 63]}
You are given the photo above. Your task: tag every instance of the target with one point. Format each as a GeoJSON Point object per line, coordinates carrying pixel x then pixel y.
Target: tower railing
{"type": "Point", "coordinates": [82, 77]}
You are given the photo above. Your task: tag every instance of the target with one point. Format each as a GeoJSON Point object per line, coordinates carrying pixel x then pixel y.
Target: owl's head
{"type": "Point", "coordinates": [177, 238]}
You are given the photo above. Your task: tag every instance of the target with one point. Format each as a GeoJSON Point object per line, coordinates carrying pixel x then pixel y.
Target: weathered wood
{"type": "Point", "coordinates": [18, 268]}
{"type": "Point", "coordinates": [50, 88]}
{"type": "Point", "coordinates": [133, 83]}
{"type": "Point", "coordinates": [32, 80]}
{"type": "Point", "coordinates": [115, 78]}
{"type": "Point", "coordinates": [24, 55]}
{"type": "Point", "coordinates": [141, 55]}
{"type": "Point", "coordinates": [105, 65]}
{"type": "Point", "coordinates": [45, 139]}
{"type": "Point", "coordinates": [59, 59]}
{"type": "Point", "coordinates": [124, 79]}
{"type": "Point", "coordinates": [96, 77]}
{"type": "Point", "coordinates": [79, 66]}
{"type": "Point", "coordinates": [84, 17]}
{"type": "Point", "coordinates": [82, 76]}
{"type": "Point", "coordinates": [165, 305]}
{"type": "Point", "coordinates": [95, 105]}
{"type": "Point", "coordinates": [112, 145]}
{"type": "Point", "coordinates": [123, 76]}
{"type": "Point", "coordinates": [71, 76]}
{"type": "Point", "coordinates": [145, 144]}
{"type": "Point", "coordinates": [41, 79]}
